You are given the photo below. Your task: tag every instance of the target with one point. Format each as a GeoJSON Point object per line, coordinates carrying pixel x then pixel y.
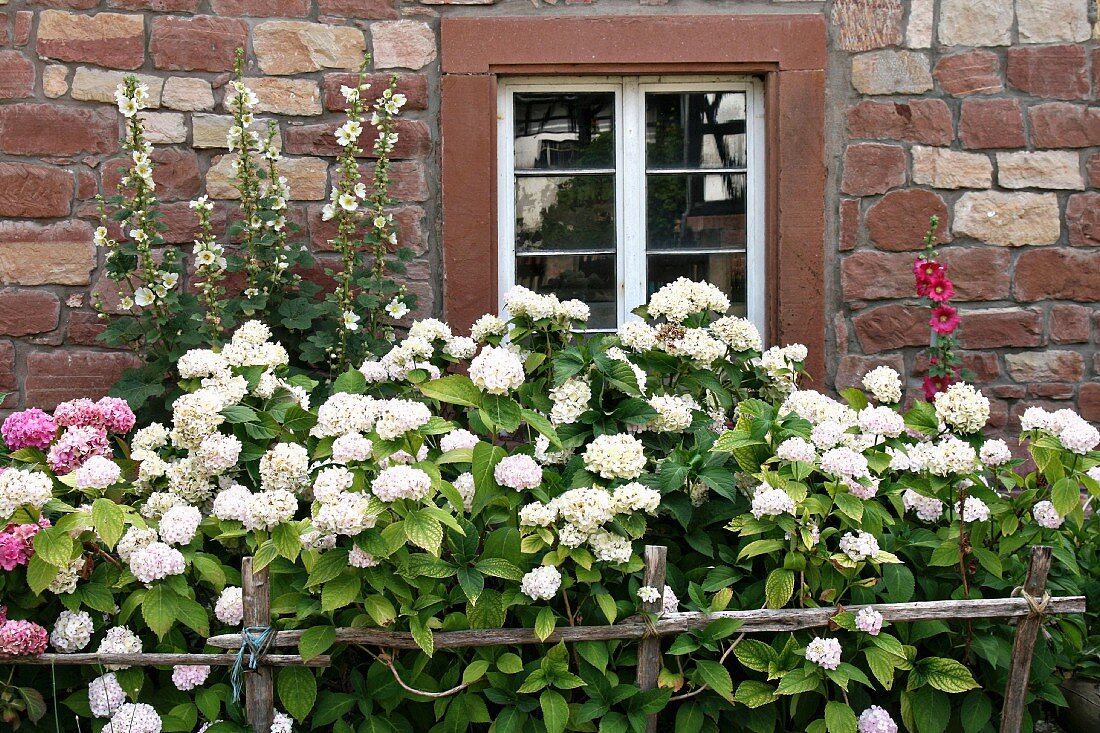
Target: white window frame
{"type": "Point", "coordinates": [630, 177]}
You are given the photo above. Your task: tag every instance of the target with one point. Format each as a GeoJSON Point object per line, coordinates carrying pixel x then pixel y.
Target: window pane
{"type": "Point", "coordinates": [695, 211]}
{"type": "Point", "coordinates": [565, 213]}
{"type": "Point", "coordinates": [564, 130]}
{"type": "Point", "coordinates": [727, 270]}
{"type": "Point", "coordinates": [695, 130]}
{"type": "Point", "coordinates": [590, 278]}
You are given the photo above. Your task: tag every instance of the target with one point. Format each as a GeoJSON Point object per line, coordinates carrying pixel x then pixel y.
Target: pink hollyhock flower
{"type": "Point", "coordinates": [22, 639]}
{"type": "Point", "coordinates": [934, 385]}
{"type": "Point", "coordinates": [925, 272]}
{"type": "Point", "coordinates": [945, 319]}
{"type": "Point", "coordinates": [941, 289]}
{"type": "Point", "coordinates": [76, 445]}
{"type": "Point", "coordinates": [29, 429]}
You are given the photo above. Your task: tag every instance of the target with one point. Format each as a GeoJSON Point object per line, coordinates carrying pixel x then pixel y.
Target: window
{"type": "Point", "coordinates": [610, 187]}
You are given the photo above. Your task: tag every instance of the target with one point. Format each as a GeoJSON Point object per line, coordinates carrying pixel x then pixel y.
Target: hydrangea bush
{"type": "Point", "coordinates": [510, 478]}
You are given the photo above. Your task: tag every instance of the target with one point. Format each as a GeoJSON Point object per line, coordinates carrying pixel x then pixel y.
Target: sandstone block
{"type": "Point", "coordinates": [891, 72]}
{"type": "Point", "coordinates": [55, 81]}
{"type": "Point", "coordinates": [852, 367]}
{"type": "Point", "coordinates": [159, 6]}
{"type": "Point", "coordinates": [890, 327]}
{"type": "Point", "coordinates": [292, 47]}
{"type": "Point", "coordinates": [367, 9]}
{"type": "Point", "coordinates": [26, 312]}
{"type": "Point", "coordinates": [49, 129]}
{"type": "Point", "coordinates": [978, 273]}
{"type": "Point", "coordinates": [199, 43]}
{"type": "Point", "coordinates": [993, 328]}
{"type": "Point", "coordinates": [414, 140]}
{"type": "Point", "coordinates": [175, 172]}
{"type": "Point", "coordinates": [408, 179]}
{"type": "Point", "coordinates": [946, 168]}
{"type": "Point", "coordinates": [307, 178]}
{"type": "Point", "coordinates": [1053, 21]}
{"type": "Point", "coordinates": [925, 121]}
{"type": "Point", "coordinates": [976, 22]}
{"type": "Point", "coordinates": [51, 254]}
{"type": "Point", "coordinates": [1083, 219]}
{"type": "Point", "coordinates": [1059, 274]}
{"type": "Point", "coordinates": [1093, 168]}
{"type": "Point", "coordinates": [105, 39]}
{"type": "Point", "coordinates": [970, 72]}
{"type": "Point", "coordinates": [1008, 219]}
{"type": "Point", "coordinates": [187, 94]}
{"type": "Point", "coordinates": [1088, 401]}
{"type": "Point", "coordinates": [849, 224]}
{"type": "Point", "coordinates": [918, 33]}
{"type": "Point", "coordinates": [1069, 324]}
{"type": "Point", "coordinates": [898, 222]}
{"type": "Point", "coordinates": [404, 44]}
{"type": "Point", "coordinates": [209, 131]}
{"type": "Point", "coordinates": [413, 86]}
{"type": "Point", "coordinates": [992, 123]}
{"type": "Point", "coordinates": [35, 191]}
{"type": "Point", "coordinates": [1043, 169]}
{"type": "Point", "coordinates": [84, 329]}
{"type": "Point", "coordinates": [871, 168]}
{"type": "Point", "coordinates": [56, 376]}
{"type": "Point", "coordinates": [1045, 366]}
{"type": "Point", "coordinates": [286, 96]}
{"type": "Point", "coordinates": [99, 85]}
{"type": "Point", "coordinates": [862, 25]}
{"type": "Point", "coordinates": [1064, 125]}
{"type": "Point", "coordinates": [261, 8]}
{"type": "Point", "coordinates": [164, 127]}
{"type": "Point", "coordinates": [16, 75]}
{"type": "Point", "coordinates": [1060, 72]}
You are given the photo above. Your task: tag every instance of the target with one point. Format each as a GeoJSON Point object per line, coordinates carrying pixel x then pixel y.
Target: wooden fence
{"type": "Point", "coordinates": [1032, 605]}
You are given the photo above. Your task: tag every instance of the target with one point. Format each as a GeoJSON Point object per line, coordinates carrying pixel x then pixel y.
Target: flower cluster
{"type": "Point", "coordinates": [542, 583]}
{"type": "Point", "coordinates": [21, 639]}
{"type": "Point", "coordinates": [16, 548]}
{"type": "Point", "coordinates": [824, 652]}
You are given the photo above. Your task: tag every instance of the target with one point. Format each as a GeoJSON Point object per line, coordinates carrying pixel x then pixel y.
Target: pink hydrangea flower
{"type": "Point", "coordinates": [116, 415]}
{"type": "Point", "coordinates": [22, 639]}
{"type": "Point", "coordinates": [188, 677]}
{"type": "Point", "coordinates": [15, 543]}
{"type": "Point", "coordinates": [109, 413]}
{"type": "Point", "coordinates": [76, 445]}
{"type": "Point", "coordinates": [80, 413]}
{"type": "Point", "coordinates": [29, 429]}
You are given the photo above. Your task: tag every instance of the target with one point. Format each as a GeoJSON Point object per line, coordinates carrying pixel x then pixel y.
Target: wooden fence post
{"type": "Point", "coordinates": [259, 688]}
{"type": "Point", "coordinates": [1023, 649]}
{"type": "Point", "coordinates": [649, 651]}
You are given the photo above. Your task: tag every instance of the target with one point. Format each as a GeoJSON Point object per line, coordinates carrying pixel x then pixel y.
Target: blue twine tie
{"type": "Point", "coordinates": [255, 641]}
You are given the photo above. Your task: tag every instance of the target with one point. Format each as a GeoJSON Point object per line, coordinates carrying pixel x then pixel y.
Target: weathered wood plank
{"type": "Point", "coordinates": [649, 650]}
{"type": "Point", "coordinates": [754, 622]}
{"type": "Point", "coordinates": [259, 687]}
{"type": "Point", "coordinates": [1023, 648]}
{"type": "Point", "coordinates": [157, 660]}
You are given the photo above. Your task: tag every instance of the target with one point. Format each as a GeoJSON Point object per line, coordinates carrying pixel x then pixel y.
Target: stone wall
{"type": "Point", "coordinates": [980, 111]}
{"type": "Point", "coordinates": [983, 113]}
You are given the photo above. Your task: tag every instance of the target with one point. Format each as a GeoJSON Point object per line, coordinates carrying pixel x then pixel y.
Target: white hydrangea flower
{"type": "Point", "coordinates": [232, 504]}
{"type": "Point", "coordinates": [156, 561]}
{"type": "Point", "coordinates": [464, 485]}
{"type": "Point", "coordinates": [460, 347]}
{"type": "Point", "coordinates": [674, 413]}
{"type": "Point", "coordinates": [286, 467]}
{"type": "Point", "coordinates": [133, 540]}
{"type": "Point", "coordinates": [740, 334]}
{"type": "Point", "coordinates": [859, 545]}
{"type": "Point", "coordinates": [963, 408]}
{"type": "Point", "coordinates": [972, 509]}
{"type": "Point", "coordinates": [884, 421]}
{"type": "Point", "coordinates": [71, 632]}
{"type": "Point", "coordinates": [23, 488]}
{"type": "Point", "coordinates": [282, 723]}
{"type": "Point", "coordinates": [570, 400]}
{"type": "Point", "coordinates": [347, 514]}
{"type": "Point", "coordinates": [586, 509]}
{"type": "Point", "coordinates": [610, 547]}
{"type": "Point", "coordinates": [119, 640]}
{"type": "Point", "coordinates": [456, 439]}
{"type": "Point", "coordinates": [1046, 515]}
{"type": "Point", "coordinates": [268, 509]}
{"type": "Point", "coordinates": [824, 652]}
{"type": "Point", "coordinates": [229, 608]}
{"type": "Point", "coordinates": [331, 482]}
{"type": "Point", "coordinates": [105, 695]}
{"type": "Point", "coordinates": [648, 594]}
{"type": "Point", "coordinates": [179, 524]}
{"type": "Point", "coordinates": [360, 558]}
{"type": "Point", "coordinates": [352, 447]}
{"type": "Point", "coordinates": [682, 297]}
{"type": "Point", "coordinates": [344, 413]}
{"type": "Point", "coordinates": [518, 471]}
{"type": "Point", "coordinates": [497, 370]}
{"type": "Point", "coordinates": [698, 345]}
{"type": "Point", "coordinates": [134, 718]}
{"type": "Point", "coordinates": [796, 449]}
{"type": "Point", "coordinates": [218, 453]}
{"type": "Point", "coordinates": [928, 508]}
{"type": "Point", "coordinates": [884, 384]}
{"type": "Point", "coordinates": [152, 437]}
{"type": "Point", "coordinates": [635, 497]}
{"type": "Point", "coordinates": [615, 456]}
{"type": "Point", "coordinates": [200, 363]}
{"type": "Point", "coordinates": [541, 584]}
{"type": "Point", "coordinates": [637, 336]}
{"type": "Point", "coordinates": [994, 453]}
{"type": "Point", "coordinates": [771, 502]}
{"type": "Point", "coordinates": [401, 482]}
{"type": "Point", "coordinates": [397, 417]}
{"type": "Point", "coordinates": [538, 514]}
{"type": "Point", "coordinates": [486, 326]}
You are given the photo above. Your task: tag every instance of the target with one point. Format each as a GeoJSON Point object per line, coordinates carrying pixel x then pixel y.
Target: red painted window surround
{"type": "Point", "coordinates": [788, 51]}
